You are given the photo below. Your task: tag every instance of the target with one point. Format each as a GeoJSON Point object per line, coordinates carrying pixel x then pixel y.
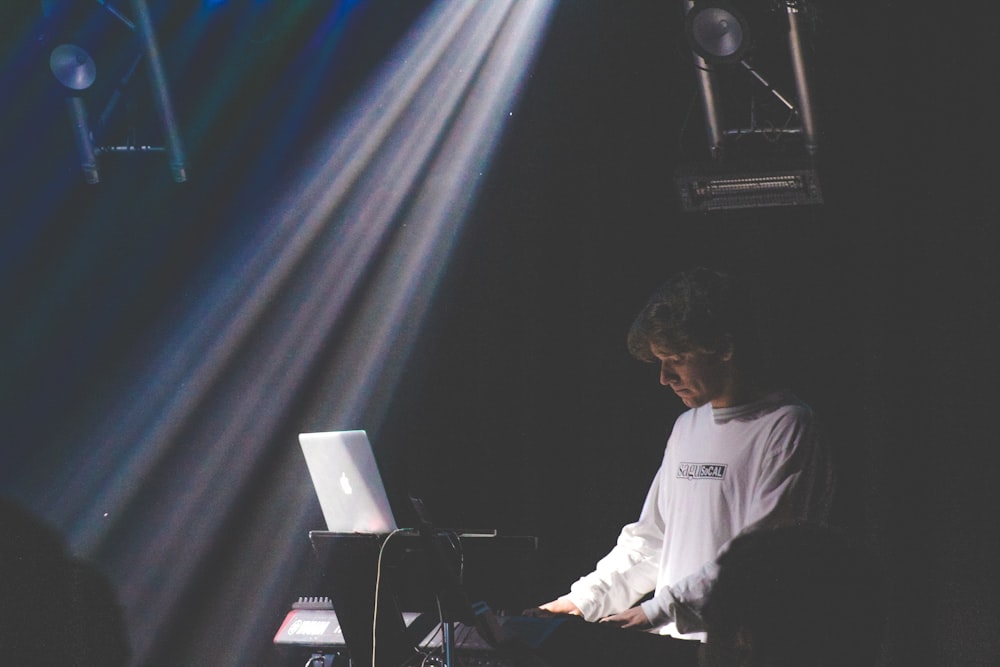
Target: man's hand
{"type": "Point", "coordinates": [630, 619]}
{"type": "Point", "coordinates": [555, 608]}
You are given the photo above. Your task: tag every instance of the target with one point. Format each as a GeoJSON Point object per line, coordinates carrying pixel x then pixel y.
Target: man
{"type": "Point", "coordinates": [744, 456]}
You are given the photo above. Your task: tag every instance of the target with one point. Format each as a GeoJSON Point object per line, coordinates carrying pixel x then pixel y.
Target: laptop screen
{"type": "Point", "coordinates": [347, 482]}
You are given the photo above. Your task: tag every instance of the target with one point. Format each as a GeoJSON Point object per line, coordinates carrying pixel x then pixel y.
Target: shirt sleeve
{"type": "Point", "coordinates": [629, 570]}
{"type": "Point", "coordinates": [794, 484]}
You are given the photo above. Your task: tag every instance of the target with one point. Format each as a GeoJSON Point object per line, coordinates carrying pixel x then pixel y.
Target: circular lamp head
{"type": "Point", "coordinates": [73, 67]}
{"type": "Point", "coordinates": [717, 32]}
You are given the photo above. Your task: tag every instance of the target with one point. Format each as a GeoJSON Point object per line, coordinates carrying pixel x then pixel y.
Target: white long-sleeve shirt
{"type": "Point", "coordinates": [725, 471]}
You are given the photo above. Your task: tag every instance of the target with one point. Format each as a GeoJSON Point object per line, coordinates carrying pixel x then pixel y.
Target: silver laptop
{"type": "Point", "coordinates": [347, 482]}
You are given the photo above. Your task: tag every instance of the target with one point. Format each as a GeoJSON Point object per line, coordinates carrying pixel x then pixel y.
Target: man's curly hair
{"type": "Point", "coordinates": [700, 310]}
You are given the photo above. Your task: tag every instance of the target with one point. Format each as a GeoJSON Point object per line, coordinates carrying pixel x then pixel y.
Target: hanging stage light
{"type": "Point", "coordinates": [764, 174]}
{"type": "Point", "coordinates": [766, 183]}
{"type": "Point", "coordinates": [73, 67]}
{"type": "Point", "coordinates": [75, 70]}
{"type": "Point", "coordinates": [717, 32]}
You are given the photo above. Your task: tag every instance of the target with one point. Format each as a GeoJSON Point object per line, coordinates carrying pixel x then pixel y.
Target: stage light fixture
{"type": "Point", "coordinates": [73, 67]}
{"type": "Point", "coordinates": [717, 32]}
{"type": "Point", "coordinates": [718, 188]}
{"type": "Point", "coordinates": [748, 162]}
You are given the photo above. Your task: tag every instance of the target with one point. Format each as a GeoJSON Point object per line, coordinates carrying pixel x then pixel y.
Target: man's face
{"type": "Point", "coordinates": [697, 378]}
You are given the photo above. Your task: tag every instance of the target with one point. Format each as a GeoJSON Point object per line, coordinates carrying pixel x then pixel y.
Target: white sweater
{"type": "Point", "coordinates": [725, 471]}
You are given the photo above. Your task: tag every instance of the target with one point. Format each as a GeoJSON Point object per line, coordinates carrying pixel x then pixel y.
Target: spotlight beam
{"type": "Point", "coordinates": [238, 303]}
{"type": "Point", "coordinates": [334, 287]}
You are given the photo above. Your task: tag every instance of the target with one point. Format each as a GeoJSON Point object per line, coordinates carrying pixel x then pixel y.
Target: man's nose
{"type": "Point", "coordinates": [667, 374]}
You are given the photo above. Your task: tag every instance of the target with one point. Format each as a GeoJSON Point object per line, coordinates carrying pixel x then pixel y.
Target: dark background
{"type": "Point", "coordinates": [521, 409]}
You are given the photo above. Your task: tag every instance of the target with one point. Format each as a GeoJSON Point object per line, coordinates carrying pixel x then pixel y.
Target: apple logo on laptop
{"type": "Point", "coordinates": [345, 484]}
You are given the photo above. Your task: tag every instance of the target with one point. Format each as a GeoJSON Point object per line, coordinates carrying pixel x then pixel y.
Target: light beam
{"type": "Point", "coordinates": [335, 288]}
